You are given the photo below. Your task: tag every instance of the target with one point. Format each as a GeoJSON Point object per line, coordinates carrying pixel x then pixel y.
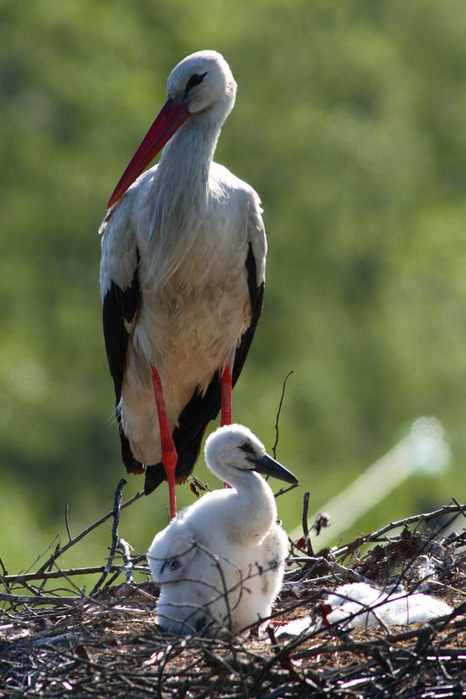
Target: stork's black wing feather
{"type": "Point", "coordinates": [201, 409]}
{"type": "Point", "coordinates": [120, 307]}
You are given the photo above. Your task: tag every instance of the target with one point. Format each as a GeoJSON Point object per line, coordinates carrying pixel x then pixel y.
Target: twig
{"type": "Point", "coordinates": [277, 419]}
{"type": "Point", "coordinates": [307, 537]}
{"type": "Point", "coordinates": [126, 549]}
{"type": "Point", "coordinates": [374, 536]}
{"type": "Point", "coordinates": [283, 491]}
{"type": "Point", "coordinates": [37, 599]}
{"type": "Point", "coordinates": [66, 573]}
{"type": "Point", "coordinates": [67, 523]}
{"type": "Point", "coordinates": [116, 521]}
{"type": "Point", "coordinates": [462, 508]}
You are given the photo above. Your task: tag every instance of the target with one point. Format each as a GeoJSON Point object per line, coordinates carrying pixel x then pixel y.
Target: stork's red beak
{"type": "Point", "coordinates": [166, 123]}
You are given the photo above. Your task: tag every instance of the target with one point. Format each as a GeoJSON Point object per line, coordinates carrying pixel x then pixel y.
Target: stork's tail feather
{"type": "Point", "coordinates": [155, 475]}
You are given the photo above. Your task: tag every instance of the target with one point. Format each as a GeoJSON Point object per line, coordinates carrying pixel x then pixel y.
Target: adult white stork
{"type": "Point", "coordinates": [182, 278]}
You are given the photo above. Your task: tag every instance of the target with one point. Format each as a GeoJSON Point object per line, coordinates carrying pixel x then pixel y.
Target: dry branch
{"type": "Point", "coordinates": [277, 417]}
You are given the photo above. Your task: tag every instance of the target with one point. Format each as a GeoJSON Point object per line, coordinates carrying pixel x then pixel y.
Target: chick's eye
{"type": "Point", "coordinates": [194, 80]}
{"type": "Point", "coordinates": [247, 448]}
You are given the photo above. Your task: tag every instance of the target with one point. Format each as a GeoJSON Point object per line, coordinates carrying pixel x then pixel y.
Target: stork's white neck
{"type": "Point", "coordinates": [178, 200]}
{"type": "Point", "coordinates": [188, 155]}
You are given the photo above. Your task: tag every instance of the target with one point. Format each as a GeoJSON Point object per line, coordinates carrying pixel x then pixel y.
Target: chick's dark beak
{"type": "Point", "coordinates": [269, 467]}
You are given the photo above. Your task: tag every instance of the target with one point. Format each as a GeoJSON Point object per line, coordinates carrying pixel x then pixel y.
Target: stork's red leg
{"type": "Point", "coordinates": [169, 455]}
{"type": "Point", "coordinates": [225, 400]}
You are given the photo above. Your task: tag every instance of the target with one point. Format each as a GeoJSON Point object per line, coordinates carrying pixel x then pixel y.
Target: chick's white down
{"type": "Point", "coordinates": [364, 605]}
{"type": "Point", "coordinates": [221, 561]}
{"type": "Point", "coordinates": [359, 604]}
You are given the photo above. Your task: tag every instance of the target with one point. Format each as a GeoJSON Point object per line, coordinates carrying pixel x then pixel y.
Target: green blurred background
{"type": "Point", "coordinates": [350, 123]}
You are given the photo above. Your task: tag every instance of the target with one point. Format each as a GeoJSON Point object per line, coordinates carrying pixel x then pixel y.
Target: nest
{"type": "Point", "coordinates": [56, 640]}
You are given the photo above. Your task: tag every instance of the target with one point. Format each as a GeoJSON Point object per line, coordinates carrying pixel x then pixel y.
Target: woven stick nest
{"type": "Point", "coordinates": [56, 640]}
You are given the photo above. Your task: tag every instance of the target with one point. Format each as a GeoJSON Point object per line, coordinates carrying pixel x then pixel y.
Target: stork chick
{"type": "Point", "coordinates": [360, 604]}
{"type": "Point", "coordinates": [220, 563]}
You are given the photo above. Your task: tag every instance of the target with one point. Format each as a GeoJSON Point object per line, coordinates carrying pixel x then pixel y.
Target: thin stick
{"type": "Point", "coordinates": [2, 566]}
{"type": "Point", "coordinates": [282, 491]}
{"type": "Point", "coordinates": [69, 572]}
{"type": "Point", "coordinates": [116, 521]}
{"type": "Point", "coordinates": [37, 599]}
{"type": "Point", "coordinates": [67, 523]}
{"type": "Point", "coordinates": [374, 536]}
{"type": "Point", "coordinates": [126, 549]}
{"type": "Point", "coordinates": [307, 538]}
{"type": "Point", "coordinates": [277, 419]}
{"type": "Point", "coordinates": [460, 507]}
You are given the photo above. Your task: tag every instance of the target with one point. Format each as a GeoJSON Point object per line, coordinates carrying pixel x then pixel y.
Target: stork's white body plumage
{"type": "Point", "coordinates": [221, 561]}
{"type": "Point", "coordinates": [187, 239]}
{"type": "Point", "coordinates": [196, 303]}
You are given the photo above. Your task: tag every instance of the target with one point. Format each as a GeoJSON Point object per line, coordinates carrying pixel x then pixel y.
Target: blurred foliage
{"type": "Point", "coordinates": [350, 124]}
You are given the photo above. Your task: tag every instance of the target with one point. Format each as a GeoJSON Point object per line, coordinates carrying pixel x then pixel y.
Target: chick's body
{"type": "Point", "coordinates": [221, 561]}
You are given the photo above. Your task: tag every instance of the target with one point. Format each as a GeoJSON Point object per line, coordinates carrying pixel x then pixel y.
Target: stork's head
{"type": "Point", "coordinates": [234, 448]}
{"type": "Point", "coordinates": [200, 86]}
{"type": "Point", "coordinates": [201, 81]}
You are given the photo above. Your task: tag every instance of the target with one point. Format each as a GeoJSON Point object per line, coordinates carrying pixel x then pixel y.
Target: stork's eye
{"type": "Point", "coordinates": [247, 448]}
{"type": "Point", "coordinates": [194, 80]}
